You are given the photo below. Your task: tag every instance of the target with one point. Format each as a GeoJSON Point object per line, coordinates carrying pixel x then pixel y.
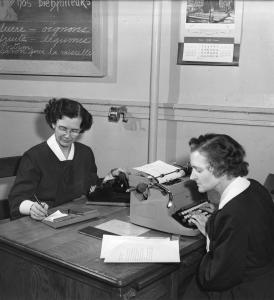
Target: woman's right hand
{"type": "Point", "coordinates": [38, 212]}
{"type": "Point", "coordinates": [200, 221]}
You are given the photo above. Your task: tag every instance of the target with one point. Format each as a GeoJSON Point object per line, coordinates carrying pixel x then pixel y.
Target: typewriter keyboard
{"type": "Point", "coordinates": [183, 215]}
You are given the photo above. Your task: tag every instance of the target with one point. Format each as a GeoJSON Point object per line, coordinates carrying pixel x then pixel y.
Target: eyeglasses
{"type": "Point", "coordinates": [72, 132]}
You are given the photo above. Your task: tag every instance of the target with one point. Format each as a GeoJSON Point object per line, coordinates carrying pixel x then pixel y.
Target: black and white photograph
{"type": "Point", "coordinates": [137, 149]}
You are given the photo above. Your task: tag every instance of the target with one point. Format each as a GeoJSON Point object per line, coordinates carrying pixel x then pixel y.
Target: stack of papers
{"type": "Point", "coordinates": [162, 171]}
{"type": "Point", "coordinates": [130, 249]}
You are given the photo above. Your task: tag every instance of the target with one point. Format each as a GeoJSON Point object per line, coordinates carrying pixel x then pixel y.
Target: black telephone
{"type": "Point", "coordinates": [114, 190]}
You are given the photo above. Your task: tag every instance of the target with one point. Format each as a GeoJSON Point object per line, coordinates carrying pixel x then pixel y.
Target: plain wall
{"type": "Point", "coordinates": [193, 99]}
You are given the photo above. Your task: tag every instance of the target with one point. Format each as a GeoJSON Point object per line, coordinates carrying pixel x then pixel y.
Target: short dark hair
{"type": "Point", "coordinates": [56, 109]}
{"type": "Point", "coordinates": [224, 154]}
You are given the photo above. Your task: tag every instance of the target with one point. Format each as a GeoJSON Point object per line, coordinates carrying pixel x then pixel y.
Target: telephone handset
{"type": "Point", "coordinates": [114, 190]}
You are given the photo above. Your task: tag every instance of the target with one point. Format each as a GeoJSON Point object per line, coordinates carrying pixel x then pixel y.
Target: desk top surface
{"type": "Point", "coordinates": [67, 247]}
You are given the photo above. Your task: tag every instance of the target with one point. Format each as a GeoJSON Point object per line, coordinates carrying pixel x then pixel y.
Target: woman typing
{"type": "Point", "coordinates": [239, 262]}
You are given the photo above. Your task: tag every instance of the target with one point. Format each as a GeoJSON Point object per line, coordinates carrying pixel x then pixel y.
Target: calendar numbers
{"type": "Point", "coordinates": [208, 52]}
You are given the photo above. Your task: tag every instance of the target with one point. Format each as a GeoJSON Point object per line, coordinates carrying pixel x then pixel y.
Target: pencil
{"type": "Point", "coordinates": [39, 202]}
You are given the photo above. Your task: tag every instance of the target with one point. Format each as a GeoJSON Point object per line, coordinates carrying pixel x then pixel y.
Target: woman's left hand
{"type": "Point", "coordinates": [208, 207]}
{"type": "Point", "coordinates": [115, 173]}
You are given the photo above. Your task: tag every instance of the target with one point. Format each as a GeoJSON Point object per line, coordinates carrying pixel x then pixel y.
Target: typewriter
{"type": "Point", "coordinates": [166, 208]}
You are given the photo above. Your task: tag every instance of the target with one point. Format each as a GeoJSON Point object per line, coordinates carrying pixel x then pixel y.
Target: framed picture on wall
{"type": "Point", "coordinates": [211, 32]}
{"type": "Point", "coordinates": [57, 38]}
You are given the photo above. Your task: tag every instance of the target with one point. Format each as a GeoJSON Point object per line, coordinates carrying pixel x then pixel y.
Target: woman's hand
{"type": "Point", "coordinates": [38, 212]}
{"type": "Point", "coordinates": [114, 173]}
{"type": "Point", "coordinates": [208, 207]}
{"type": "Point", "coordinates": [200, 221]}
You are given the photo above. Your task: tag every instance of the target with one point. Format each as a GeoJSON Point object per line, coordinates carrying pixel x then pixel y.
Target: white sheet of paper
{"type": "Point", "coordinates": [159, 168]}
{"type": "Point", "coordinates": [139, 249]}
{"type": "Point", "coordinates": [109, 242]}
{"type": "Point", "coordinates": [122, 228]}
{"type": "Point", "coordinates": [57, 214]}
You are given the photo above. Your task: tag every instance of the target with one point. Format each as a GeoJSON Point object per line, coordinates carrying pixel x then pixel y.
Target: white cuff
{"type": "Point", "coordinates": [92, 189]}
{"type": "Point", "coordinates": [207, 243]}
{"type": "Point", "coordinates": [25, 206]}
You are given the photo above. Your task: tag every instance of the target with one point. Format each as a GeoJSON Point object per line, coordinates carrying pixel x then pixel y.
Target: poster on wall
{"type": "Point", "coordinates": [210, 32]}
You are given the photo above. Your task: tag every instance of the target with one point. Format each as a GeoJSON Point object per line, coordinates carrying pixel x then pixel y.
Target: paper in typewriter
{"type": "Point", "coordinates": [159, 168]}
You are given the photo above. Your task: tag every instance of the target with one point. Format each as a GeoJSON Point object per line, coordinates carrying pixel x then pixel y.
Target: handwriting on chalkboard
{"type": "Point", "coordinates": [46, 30]}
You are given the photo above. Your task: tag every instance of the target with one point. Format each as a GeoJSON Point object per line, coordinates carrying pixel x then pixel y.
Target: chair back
{"type": "Point", "coordinates": [269, 184]}
{"type": "Point", "coordinates": [8, 168]}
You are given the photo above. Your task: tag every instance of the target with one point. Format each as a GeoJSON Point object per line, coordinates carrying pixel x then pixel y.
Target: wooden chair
{"type": "Point", "coordinates": [8, 168]}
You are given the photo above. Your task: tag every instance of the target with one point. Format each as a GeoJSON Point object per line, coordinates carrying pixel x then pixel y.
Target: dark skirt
{"type": "Point", "coordinates": [259, 288]}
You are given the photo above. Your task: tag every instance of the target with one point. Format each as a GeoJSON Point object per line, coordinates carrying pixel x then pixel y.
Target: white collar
{"type": "Point", "coordinates": [237, 186]}
{"type": "Point", "coordinates": [52, 143]}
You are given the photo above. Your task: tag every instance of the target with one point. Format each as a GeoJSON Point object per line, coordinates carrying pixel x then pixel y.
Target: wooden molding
{"type": "Point", "coordinates": [249, 116]}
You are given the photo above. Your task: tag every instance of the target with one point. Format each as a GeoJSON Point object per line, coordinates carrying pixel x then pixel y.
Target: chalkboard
{"type": "Point", "coordinates": [55, 31]}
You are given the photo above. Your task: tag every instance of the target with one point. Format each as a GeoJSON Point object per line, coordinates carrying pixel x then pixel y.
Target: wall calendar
{"type": "Point", "coordinates": [210, 32]}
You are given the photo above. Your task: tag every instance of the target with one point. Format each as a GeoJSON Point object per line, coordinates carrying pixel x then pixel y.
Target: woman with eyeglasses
{"type": "Point", "coordinates": [58, 170]}
{"type": "Point", "coordinates": [239, 261]}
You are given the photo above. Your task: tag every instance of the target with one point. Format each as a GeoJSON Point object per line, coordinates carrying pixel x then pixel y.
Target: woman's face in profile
{"type": "Point", "coordinates": [202, 172]}
{"type": "Point", "coordinates": [67, 130]}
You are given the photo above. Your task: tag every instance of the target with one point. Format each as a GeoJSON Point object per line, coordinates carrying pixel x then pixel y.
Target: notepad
{"type": "Point", "coordinates": [56, 216]}
{"type": "Point", "coordinates": [60, 219]}
{"type": "Point", "coordinates": [129, 249]}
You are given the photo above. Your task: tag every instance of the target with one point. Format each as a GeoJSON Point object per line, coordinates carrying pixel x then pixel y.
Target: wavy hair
{"type": "Point", "coordinates": [224, 154]}
{"type": "Point", "coordinates": [56, 109]}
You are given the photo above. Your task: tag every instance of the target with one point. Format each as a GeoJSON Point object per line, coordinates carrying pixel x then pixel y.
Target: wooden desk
{"type": "Point", "coordinates": [39, 262]}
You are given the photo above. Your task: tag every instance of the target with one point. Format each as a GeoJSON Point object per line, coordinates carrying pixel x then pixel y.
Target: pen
{"type": "Point", "coordinates": [39, 202]}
